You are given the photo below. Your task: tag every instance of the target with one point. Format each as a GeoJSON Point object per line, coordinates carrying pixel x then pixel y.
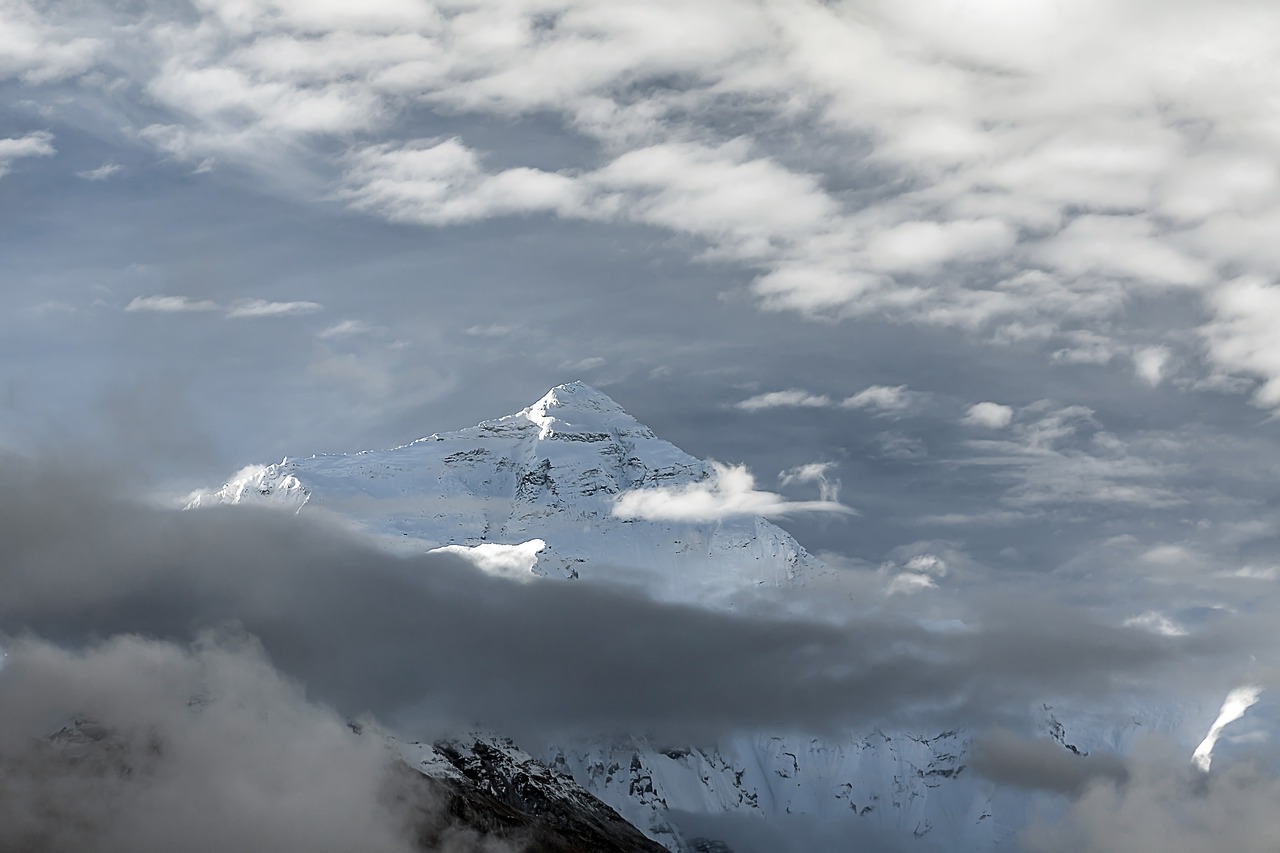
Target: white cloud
{"type": "Point", "coordinates": [924, 246]}
{"type": "Point", "coordinates": [918, 573]}
{"type": "Point", "coordinates": [1026, 168]}
{"type": "Point", "coordinates": [101, 173]}
{"type": "Point", "coordinates": [888, 399]}
{"type": "Point", "coordinates": [1150, 362]}
{"type": "Point", "coordinates": [40, 52]}
{"type": "Point", "coordinates": [346, 329]}
{"type": "Point", "coordinates": [1156, 623]}
{"type": "Point", "coordinates": [989, 415]}
{"type": "Point", "coordinates": [515, 562]}
{"type": "Point", "coordinates": [170, 304]}
{"type": "Point", "coordinates": [252, 308]}
{"type": "Point", "coordinates": [793, 397]}
{"type": "Point", "coordinates": [38, 144]}
{"type": "Point", "coordinates": [1256, 573]}
{"type": "Point", "coordinates": [907, 583]}
{"type": "Point", "coordinates": [813, 472]}
{"type": "Point", "coordinates": [1238, 701]}
{"type": "Point", "coordinates": [730, 492]}
{"type": "Point", "coordinates": [1242, 336]}
{"type": "Point", "coordinates": [1122, 246]}
{"type": "Point", "coordinates": [242, 308]}
{"type": "Point", "coordinates": [443, 182]}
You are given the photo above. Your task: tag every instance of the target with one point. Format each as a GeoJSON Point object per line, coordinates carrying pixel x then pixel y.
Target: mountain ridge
{"type": "Point", "coordinates": [531, 494]}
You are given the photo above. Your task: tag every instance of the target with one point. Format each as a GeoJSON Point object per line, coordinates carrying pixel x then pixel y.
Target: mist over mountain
{"type": "Point", "coordinates": [918, 491]}
{"type": "Point", "coordinates": [693, 674]}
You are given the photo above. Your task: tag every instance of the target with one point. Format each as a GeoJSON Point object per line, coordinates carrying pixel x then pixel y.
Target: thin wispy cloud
{"type": "Point", "coordinates": [791, 398]}
{"type": "Point", "coordinates": [489, 330]}
{"type": "Point", "coordinates": [814, 472]}
{"type": "Point", "coordinates": [884, 399]}
{"type": "Point", "coordinates": [101, 173]}
{"type": "Point", "coordinates": [240, 309]}
{"type": "Point", "coordinates": [1062, 456]}
{"type": "Point", "coordinates": [346, 329]}
{"type": "Point", "coordinates": [170, 305]}
{"type": "Point", "coordinates": [252, 308]}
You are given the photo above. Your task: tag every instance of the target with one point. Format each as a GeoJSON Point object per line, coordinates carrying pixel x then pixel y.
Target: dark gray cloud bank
{"type": "Point", "coordinates": [368, 632]}
{"type": "Point", "coordinates": [213, 644]}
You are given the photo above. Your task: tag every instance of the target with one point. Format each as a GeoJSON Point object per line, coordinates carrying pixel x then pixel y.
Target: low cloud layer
{"type": "Point", "coordinates": [1165, 806]}
{"type": "Point", "coordinates": [109, 607]}
{"type": "Point", "coordinates": [174, 747]}
{"type": "Point", "coordinates": [1042, 763]}
{"type": "Point", "coordinates": [432, 641]}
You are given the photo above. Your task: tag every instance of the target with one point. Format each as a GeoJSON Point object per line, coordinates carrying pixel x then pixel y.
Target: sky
{"type": "Point", "coordinates": [1002, 268]}
{"type": "Point", "coordinates": [1000, 276]}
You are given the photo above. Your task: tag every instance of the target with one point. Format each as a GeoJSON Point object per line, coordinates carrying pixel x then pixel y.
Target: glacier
{"type": "Point", "coordinates": [533, 494]}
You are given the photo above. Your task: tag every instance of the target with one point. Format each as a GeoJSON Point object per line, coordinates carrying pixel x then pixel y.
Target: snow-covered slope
{"type": "Point", "coordinates": [537, 484]}
{"type": "Point", "coordinates": [533, 492]}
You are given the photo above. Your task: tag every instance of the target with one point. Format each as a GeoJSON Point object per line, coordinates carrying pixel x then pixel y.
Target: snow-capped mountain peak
{"type": "Point", "coordinates": [576, 407]}
{"type": "Point", "coordinates": [532, 494]}
{"type": "Point", "coordinates": [551, 473]}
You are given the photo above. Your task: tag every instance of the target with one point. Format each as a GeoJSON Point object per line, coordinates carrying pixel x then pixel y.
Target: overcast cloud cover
{"type": "Point", "coordinates": [1001, 276]}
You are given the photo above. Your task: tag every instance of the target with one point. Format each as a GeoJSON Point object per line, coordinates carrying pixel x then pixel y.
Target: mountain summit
{"type": "Point", "coordinates": [575, 407]}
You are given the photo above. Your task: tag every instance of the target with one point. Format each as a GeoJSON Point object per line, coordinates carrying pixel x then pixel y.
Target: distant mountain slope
{"type": "Point", "coordinates": [547, 475]}
{"type": "Point", "coordinates": [534, 492]}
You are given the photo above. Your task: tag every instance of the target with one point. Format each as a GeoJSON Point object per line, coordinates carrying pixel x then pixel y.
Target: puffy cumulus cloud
{"type": "Point", "coordinates": [1241, 338]}
{"type": "Point", "coordinates": [998, 173]}
{"type": "Point", "coordinates": [39, 144]}
{"type": "Point", "coordinates": [170, 747]}
{"type": "Point", "coordinates": [40, 51]}
{"type": "Point", "coordinates": [729, 492]}
{"type": "Point", "coordinates": [989, 415]}
{"type": "Point", "coordinates": [442, 182]}
{"type": "Point", "coordinates": [792, 397]}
